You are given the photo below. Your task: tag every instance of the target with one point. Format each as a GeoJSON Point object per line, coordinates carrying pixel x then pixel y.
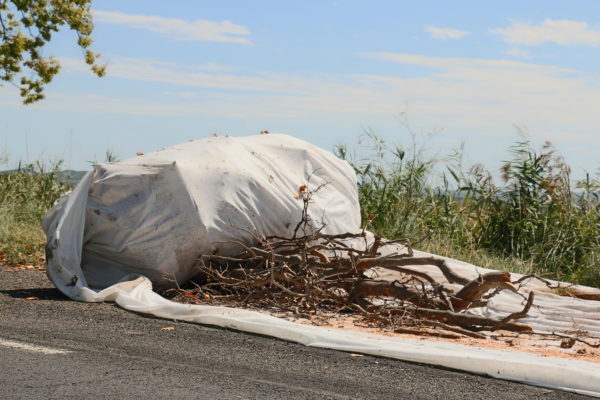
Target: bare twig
{"type": "Point", "coordinates": [316, 274]}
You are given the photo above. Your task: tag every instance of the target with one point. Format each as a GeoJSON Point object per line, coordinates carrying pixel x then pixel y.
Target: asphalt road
{"type": "Point", "coordinates": [55, 348]}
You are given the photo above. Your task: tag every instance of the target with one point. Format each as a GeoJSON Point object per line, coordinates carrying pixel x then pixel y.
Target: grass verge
{"type": "Point", "coordinates": [535, 221]}
{"type": "Point", "coordinates": [25, 195]}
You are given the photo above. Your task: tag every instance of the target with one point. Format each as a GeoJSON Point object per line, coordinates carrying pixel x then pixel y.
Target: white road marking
{"type": "Point", "coordinates": [31, 347]}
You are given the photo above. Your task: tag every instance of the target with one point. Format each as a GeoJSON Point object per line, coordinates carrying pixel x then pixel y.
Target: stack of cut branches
{"type": "Point", "coordinates": [318, 276]}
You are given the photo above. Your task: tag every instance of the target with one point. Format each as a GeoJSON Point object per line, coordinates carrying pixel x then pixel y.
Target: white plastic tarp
{"type": "Point", "coordinates": [154, 215]}
{"type": "Point", "coordinates": [146, 220]}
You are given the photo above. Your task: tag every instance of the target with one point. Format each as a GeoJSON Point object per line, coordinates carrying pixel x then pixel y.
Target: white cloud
{"type": "Point", "coordinates": [472, 99]}
{"type": "Point", "coordinates": [461, 94]}
{"type": "Point", "coordinates": [472, 64]}
{"type": "Point", "coordinates": [199, 30]}
{"type": "Point", "coordinates": [214, 67]}
{"type": "Point", "coordinates": [519, 53]}
{"type": "Point", "coordinates": [492, 92]}
{"type": "Point", "coordinates": [157, 71]}
{"type": "Point", "coordinates": [445, 33]}
{"type": "Point", "coordinates": [562, 32]}
{"type": "Point", "coordinates": [185, 94]}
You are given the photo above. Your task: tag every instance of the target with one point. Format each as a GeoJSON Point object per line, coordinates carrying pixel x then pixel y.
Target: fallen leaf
{"type": "Point", "coordinates": [356, 355]}
{"type": "Point", "coordinates": [32, 298]}
{"type": "Point", "coordinates": [190, 295]}
{"type": "Point", "coordinates": [168, 328]}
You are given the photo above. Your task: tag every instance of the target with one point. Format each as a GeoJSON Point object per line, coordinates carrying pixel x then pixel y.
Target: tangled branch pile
{"type": "Point", "coordinates": [317, 276]}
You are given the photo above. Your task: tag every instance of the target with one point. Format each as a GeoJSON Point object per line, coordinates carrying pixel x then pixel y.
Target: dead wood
{"type": "Point", "coordinates": [456, 329]}
{"type": "Point", "coordinates": [515, 315]}
{"type": "Point", "coordinates": [560, 288]}
{"type": "Point", "coordinates": [312, 274]}
{"type": "Point", "coordinates": [399, 260]}
{"type": "Point", "coordinates": [424, 332]}
{"type": "Point", "coordinates": [370, 288]}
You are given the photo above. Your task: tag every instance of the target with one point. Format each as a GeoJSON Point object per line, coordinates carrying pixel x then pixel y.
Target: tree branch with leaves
{"type": "Point", "coordinates": [26, 26]}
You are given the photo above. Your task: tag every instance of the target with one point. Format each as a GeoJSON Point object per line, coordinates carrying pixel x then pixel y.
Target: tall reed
{"type": "Point", "coordinates": [536, 220]}
{"type": "Point", "coordinates": [25, 195]}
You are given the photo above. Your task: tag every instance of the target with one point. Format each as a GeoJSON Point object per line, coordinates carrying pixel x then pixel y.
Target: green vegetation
{"type": "Point", "coordinates": [25, 196]}
{"type": "Point", "coordinates": [26, 26]}
{"type": "Point", "coordinates": [536, 222]}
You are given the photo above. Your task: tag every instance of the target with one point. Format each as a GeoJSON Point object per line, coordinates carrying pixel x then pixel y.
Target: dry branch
{"type": "Point", "coordinates": [315, 275]}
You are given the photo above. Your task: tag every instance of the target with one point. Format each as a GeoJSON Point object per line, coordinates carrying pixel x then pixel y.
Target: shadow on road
{"type": "Point", "coordinates": [40, 293]}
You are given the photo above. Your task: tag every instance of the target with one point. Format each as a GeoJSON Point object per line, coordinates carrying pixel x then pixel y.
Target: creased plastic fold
{"type": "Point", "coordinates": [201, 193]}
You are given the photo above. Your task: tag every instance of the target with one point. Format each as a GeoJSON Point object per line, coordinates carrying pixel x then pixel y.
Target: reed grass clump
{"type": "Point", "coordinates": [26, 193]}
{"type": "Point", "coordinates": [534, 221]}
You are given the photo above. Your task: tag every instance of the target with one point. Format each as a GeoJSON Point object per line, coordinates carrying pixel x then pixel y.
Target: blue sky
{"type": "Point", "coordinates": [324, 71]}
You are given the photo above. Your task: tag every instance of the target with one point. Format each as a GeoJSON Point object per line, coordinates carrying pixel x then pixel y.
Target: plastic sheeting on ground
{"type": "Point", "coordinates": [147, 219]}
{"type": "Point", "coordinates": [552, 312]}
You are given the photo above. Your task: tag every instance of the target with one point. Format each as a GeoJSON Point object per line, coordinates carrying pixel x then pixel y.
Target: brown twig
{"type": "Point", "coordinates": [311, 273]}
